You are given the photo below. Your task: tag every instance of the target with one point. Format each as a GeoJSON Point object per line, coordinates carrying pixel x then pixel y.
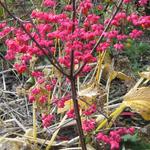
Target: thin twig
{"type": "Point", "coordinates": [33, 39]}
{"type": "Point", "coordinates": [101, 37]}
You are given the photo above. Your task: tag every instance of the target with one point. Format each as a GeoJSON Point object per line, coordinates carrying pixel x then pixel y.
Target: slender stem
{"type": "Point", "coordinates": [55, 133]}
{"type": "Point", "coordinates": [73, 86]}
{"type": "Point", "coordinates": [74, 14]}
{"type": "Point", "coordinates": [73, 28]}
{"type": "Point", "coordinates": [77, 114]}
{"type": "Point", "coordinates": [72, 63]}
{"type": "Point", "coordinates": [34, 124]}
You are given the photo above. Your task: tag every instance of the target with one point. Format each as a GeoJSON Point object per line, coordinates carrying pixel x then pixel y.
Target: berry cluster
{"type": "Point", "coordinates": [114, 137]}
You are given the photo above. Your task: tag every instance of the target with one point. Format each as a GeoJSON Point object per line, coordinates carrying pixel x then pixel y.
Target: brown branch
{"type": "Point", "coordinates": [77, 114]}
{"type": "Point", "coordinates": [73, 28]}
{"type": "Point", "coordinates": [73, 86]}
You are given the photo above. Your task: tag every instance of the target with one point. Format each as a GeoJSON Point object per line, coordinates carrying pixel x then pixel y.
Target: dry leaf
{"type": "Point", "coordinates": [139, 100]}
{"type": "Point", "coordinates": [123, 76]}
{"type": "Point", "coordinates": [90, 90]}
{"type": "Point", "coordinates": [145, 75]}
{"type": "Point", "coordinates": [107, 59]}
{"type": "Point", "coordinates": [14, 144]}
{"type": "Point", "coordinates": [112, 74]}
{"type": "Point", "coordinates": [69, 105]}
{"type": "Point", "coordinates": [89, 94]}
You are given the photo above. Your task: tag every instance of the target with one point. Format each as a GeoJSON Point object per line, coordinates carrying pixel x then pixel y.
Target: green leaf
{"type": "Point", "coordinates": [140, 145]}
{"type": "Point", "coordinates": [88, 139]}
{"type": "Point", "coordinates": [1, 12]}
{"type": "Point", "coordinates": [130, 138]}
{"type": "Point", "coordinates": [29, 83]}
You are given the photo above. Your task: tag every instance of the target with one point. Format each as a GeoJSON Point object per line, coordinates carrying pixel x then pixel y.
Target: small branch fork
{"type": "Point", "coordinates": [73, 74]}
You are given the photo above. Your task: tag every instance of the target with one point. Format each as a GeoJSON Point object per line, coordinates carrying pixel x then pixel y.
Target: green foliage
{"type": "Point", "coordinates": [134, 142]}
{"type": "Point", "coordinates": [130, 138]}
{"type": "Point", "coordinates": [140, 145]}
{"type": "Point", "coordinates": [1, 12]}
{"type": "Point", "coordinates": [138, 54]}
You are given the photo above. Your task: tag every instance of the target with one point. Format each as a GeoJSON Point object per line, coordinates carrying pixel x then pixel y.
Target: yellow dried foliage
{"type": "Point", "coordinates": [109, 72]}
{"type": "Point", "coordinates": [69, 105]}
{"type": "Point", "coordinates": [145, 75]}
{"type": "Point", "coordinates": [89, 94]}
{"type": "Point", "coordinates": [139, 101]}
{"type": "Point", "coordinates": [14, 144]}
{"type": "Point", "coordinates": [89, 90]}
